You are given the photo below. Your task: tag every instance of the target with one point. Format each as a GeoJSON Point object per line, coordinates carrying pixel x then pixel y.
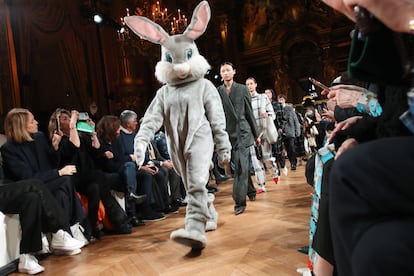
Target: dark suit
{"type": "Point", "coordinates": [38, 160]}
{"type": "Point", "coordinates": [241, 128]}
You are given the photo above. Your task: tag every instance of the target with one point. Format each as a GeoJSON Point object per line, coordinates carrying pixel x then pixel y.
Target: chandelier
{"type": "Point", "coordinates": [173, 24]}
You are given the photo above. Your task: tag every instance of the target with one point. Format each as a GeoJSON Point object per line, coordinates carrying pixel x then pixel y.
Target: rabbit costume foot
{"type": "Point", "coordinates": [193, 239]}
{"type": "Point", "coordinates": [211, 224]}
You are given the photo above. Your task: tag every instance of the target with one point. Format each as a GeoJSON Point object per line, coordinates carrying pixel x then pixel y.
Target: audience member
{"type": "Point", "coordinates": [27, 154]}
{"type": "Point", "coordinates": [163, 160]}
{"type": "Point", "coordinates": [119, 169]}
{"type": "Point", "coordinates": [371, 199]}
{"type": "Point", "coordinates": [82, 149]}
{"type": "Point", "coordinates": [39, 212]}
{"type": "Point", "coordinates": [152, 181]}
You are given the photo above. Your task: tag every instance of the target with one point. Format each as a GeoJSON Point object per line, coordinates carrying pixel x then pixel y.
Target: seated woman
{"type": "Point", "coordinates": [118, 170]}
{"type": "Point", "coordinates": [80, 149]}
{"type": "Point", "coordinates": [27, 154]}
{"type": "Point", "coordinates": [38, 212]}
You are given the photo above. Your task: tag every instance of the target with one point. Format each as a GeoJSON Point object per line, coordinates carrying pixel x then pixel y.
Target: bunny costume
{"type": "Point", "coordinates": [189, 107]}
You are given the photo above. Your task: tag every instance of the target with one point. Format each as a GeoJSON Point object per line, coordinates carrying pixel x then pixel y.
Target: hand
{"type": "Point", "coordinates": [95, 141]}
{"type": "Point", "coordinates": [258, 141]}
{"type": "Point", "coordinates": [108, 154]}
{"type": "Point", "coordinates": [328, 114]}
{"type": "Point", "coordinates": [346, 145]}
{"type": "Point", "coordinates": [67, 170]}
{"type": "Point", "coordinates": [343, 125]}
{"type": "Point", "coordinates": [384, 10]}
{"type": "Point", "coordinates": [133, 159]}
{"type": "Point", "coordinates": [56, 138]}
{"type": "Point", "coordinates": [223, 158]}
{"type": "Point", "coordinates": [167, 164]}
{"type": "Point", "coordinates": [73, 119]}
{"type": "Point", "coordinates": [264, 115]}
{"type": "Point", "coordinates": [347, 95]}
{"type": "Point", "coordinates": [152, 169]}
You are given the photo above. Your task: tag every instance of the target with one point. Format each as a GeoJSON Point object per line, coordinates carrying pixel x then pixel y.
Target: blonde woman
{"type": "Point", "coordinates": [27, 154]}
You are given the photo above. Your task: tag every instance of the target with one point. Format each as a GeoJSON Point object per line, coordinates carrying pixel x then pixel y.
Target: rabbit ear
{"type": "Point", "coordinates": [199, 21]}
{"type": "Point", "coordinates": [146, 29]}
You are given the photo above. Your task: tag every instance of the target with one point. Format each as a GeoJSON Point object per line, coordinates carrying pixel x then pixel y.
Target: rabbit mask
{"type": "Point", "coordinates": [180, 60]}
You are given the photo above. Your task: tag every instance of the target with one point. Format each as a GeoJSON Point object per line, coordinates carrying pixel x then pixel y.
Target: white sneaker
{"type": "Point", "coordinates": [45, 245]}
{"type": "Point", "coordinates": [29, 264]}
{"type": "Point", "coordinates": [285, 171]}
{"type": "Point", "coordinates": [263, 188]}
{"type": "Point", "coordinates": [59, 252]}
{"type": "Point", "coordinates": [77, 233]}
{"type": "Point", "coordinates": [62, 240]}
{"type": "Point", "coordinates": [185, 200]}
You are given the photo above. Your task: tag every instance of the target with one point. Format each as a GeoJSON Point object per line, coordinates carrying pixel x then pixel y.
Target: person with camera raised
{"type": "Point", "coordinates": [79, 146]}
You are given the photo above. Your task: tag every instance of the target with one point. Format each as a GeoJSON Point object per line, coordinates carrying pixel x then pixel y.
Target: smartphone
{"type": "Point", "coordinates": [318, 83]}
{"type": "Point", "coordinates": [57, 122]}
{"type": "Point", "coordinates": [83, 116]}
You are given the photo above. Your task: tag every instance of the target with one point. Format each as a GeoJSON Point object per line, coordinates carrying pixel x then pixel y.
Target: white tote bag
{"type": "Point", "coordinates": [269, 130]}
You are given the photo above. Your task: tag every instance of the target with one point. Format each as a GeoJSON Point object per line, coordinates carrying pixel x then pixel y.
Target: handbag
{"type": "Point", "coordinates": [259, 152]}
{"type": "Point", "coordinates": [270, 131]}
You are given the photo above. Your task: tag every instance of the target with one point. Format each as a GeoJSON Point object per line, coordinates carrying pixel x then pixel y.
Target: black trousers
{"type": "Point", "coordinates": [37, 208]}
{"type": "Point", "coordinates": [290, 149]}
{"type": "Point", "coordinates": [90, 187]}
{"type": "Point", "coordinates": [372, 208]}
{"type": "Point", "coordinates": [63, 190]}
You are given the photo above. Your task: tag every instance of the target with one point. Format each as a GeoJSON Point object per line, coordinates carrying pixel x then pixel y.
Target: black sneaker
{"type": "Point", "coordinates": [178, 202]}
{"type": "Point", "coordinates": [138, 199]}
{"type": "Point", "coordinates": [153, 216]}
{"type": "Point", "coordinates": [171, 209]}
{"type": "Point", "coordinates": [125, 228]}
{"type": "Point", "coordinates": [136, 222]}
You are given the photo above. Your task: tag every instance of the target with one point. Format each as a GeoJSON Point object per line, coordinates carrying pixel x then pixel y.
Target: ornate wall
{"type": "Point", "coordinates": [55, 56]}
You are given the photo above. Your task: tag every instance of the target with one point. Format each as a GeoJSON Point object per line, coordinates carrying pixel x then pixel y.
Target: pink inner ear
{"type": "Point", "coordinates": [145, 29]}
{"type": "Point", "coordinates": [201, 24]}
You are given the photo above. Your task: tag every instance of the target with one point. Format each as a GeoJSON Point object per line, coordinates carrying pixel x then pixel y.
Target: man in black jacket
{"type": "Point", "coordinates": [242, 130]}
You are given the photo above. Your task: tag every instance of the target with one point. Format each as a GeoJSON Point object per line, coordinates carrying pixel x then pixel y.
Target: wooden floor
{"type": "Point", "coordinates": [261, 241]}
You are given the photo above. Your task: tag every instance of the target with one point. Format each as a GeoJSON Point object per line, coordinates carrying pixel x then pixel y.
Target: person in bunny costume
{"type": "Point", "coordinates": [190, 109]}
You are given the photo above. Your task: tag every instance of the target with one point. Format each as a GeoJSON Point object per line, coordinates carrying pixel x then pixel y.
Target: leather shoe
{"type": "Point", "coordinates": [212, 188]}
{"type": "Point", "coordinates": [221, 178]}
{"type": "Point", "coordinates": [252, 197]}
{"type": "Point", "coordinates": [239, 209]}
{"type": "Point", "coordinates": [304, 249]}
{"type": "Point", "coordinates": [136, 222]}
{"type": "Point", "coordinates": [138, 199]}
{"type": "Point", "coordinates": [293, 167]}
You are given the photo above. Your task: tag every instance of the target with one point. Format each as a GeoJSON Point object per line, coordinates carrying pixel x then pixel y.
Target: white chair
{"type": "Point", "coordinates": [10, 236]}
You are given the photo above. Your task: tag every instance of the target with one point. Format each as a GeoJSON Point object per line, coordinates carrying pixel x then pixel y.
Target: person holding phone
{"type": "Point", "coordinates": [27, 154]}
{"type": "Point", "coordinates": [81, 149]}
